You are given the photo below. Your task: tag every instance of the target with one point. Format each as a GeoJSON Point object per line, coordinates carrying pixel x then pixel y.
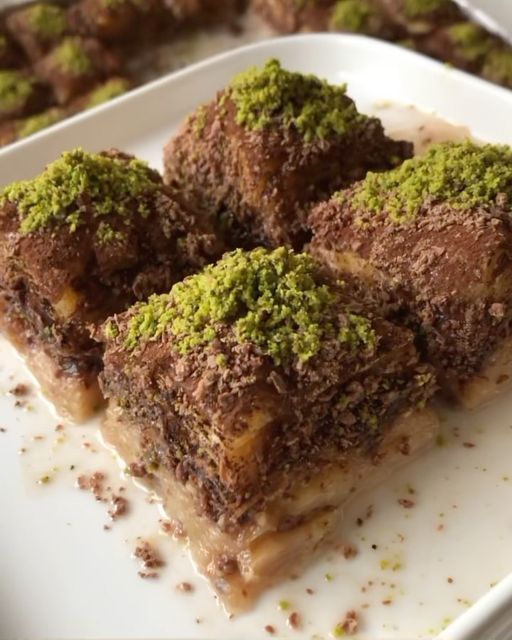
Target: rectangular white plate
{"type": "Point", "coordinates": [63, 576]}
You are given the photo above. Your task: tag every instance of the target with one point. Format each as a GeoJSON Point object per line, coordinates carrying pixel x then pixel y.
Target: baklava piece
{"type": "Point", "coordinates": [269, 146]}
{"type": "Point", "coordinates": [419, 17]}
{"type": "Point", "coordinates": [21, 94]}
{"type": "Point", "coordinates": [90, 236]}
{"type": "Point", "coordinates": [14, 130]}
{"type": "Point", "coordinates": [357, 16]}
{"type": "Point", "coordinates": [497, 66]}
{"type": "Point", "coordinates": [256, 398]}
{"type": "Point", "coordinates": [75, 66]}
{"type": "Point", "coordinates": [436, 235]}
{"type": "Point", "coordinates": [463, 44]}
{"type": "Point", "coordinates": [113, 20]}
{"type": "Point", "coordinates": [104, 92]}
{"type": "Point", "coordinates": [37, 28]}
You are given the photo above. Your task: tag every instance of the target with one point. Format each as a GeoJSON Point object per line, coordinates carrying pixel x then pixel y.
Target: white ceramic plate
{"type": "Point", "coordinates": [64, 576]}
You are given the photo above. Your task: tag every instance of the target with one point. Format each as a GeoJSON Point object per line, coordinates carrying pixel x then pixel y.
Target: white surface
{"type": "Point", "coordinates": [62, 576]}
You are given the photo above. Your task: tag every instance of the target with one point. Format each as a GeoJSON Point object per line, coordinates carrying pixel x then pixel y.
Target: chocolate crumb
{"type": "Point", "coordinates": [351, 623]}
{"type": "Point", "coordinates": [270, 629]}
{"type": "Point", "coordinates": [119, 507]}
{"type": "Point", "coordinates": [106, 527]}
{"type": "Point", "coordinates": [309, 591]}
{"type": "Point", "coordinates": [185, 587]}
{"type": "Point", "coordinates": [173, 528]}
{"type": "Point", "coordinates": [450, 580]}
{"type": "Point", "coordinates": [468, 445]}
{"type": "Point", "coordinates": [151, 575]}
{"type": "Point", "coordinates": [59, 427]}
{"type": "Point", "coordinates": [3, 430]}
{"type": "Point", "coordinates": [20, 390]}
{"type": "Point", "coordinates": [294, 620]}
{"type": "Point", "coordinates": [406, 503]}
{"type": "Point", "coordinates": [349, 551]}
{"type": "Point", "coordinates": [148, 556]}
{"type": "Point", "coordinates": [387, 602]}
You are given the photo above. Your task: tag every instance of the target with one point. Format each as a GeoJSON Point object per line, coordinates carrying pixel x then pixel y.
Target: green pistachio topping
{"type": "Point", "coordinates": [36, 123]}
{"type": "Point", "coordinates": [463, 175]}
{"type": "Point", "coordinates": [471, 41]}
{"type": "Point", "coordinates": [107, 91]}
{"type": "Point", "coordinates": [272, 94]}
{"type": "Point", "coordinates": [351, 15]}
{"type": "Point", "coordinates": [46, 20]}
{"type": "Point", "coordinates": [271, 298]}
{"type": "Point", "coordinates": [498, 66]}
{"type": "Point", "coordinates": [116, 4]}
{"type": "Point", "coordinates": [422, 8]}
{"type": "Point", "coordinates": [55, 197]}
{"type": "Point", "coordinates": [15, 90]}
{"type": "Point", "coordinates": [71, 57]}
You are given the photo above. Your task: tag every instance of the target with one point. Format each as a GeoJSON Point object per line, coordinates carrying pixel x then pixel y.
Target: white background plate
{"type": "Point", "coordinates": [63, 576]}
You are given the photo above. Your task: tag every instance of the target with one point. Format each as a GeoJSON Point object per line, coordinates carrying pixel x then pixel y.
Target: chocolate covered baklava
{"type": "Point", "coordinates": [21, 94]}
{"type": "Point", "coordinates": [37, 28]}
{"type": "Point", "coordinates": [87, 238]}
{"type": "Point", "coordinates": [435, 235]}
{"type": "Point", "coordinates": [269, 146]}
{"type": "Point", "coordinates": [10, 55]}
{"type": "Point", "coordinates": [256, 397]}
{"type": "Point", "coordinates": [357, 16]}
{"type": "Point", "coordinates": [114, 20]}
{"type": "Point", "coordinates": [75, 66]}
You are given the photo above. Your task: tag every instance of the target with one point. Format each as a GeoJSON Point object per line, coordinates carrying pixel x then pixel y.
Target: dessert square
{"type": "Point", "coordinates": [13, 130]}
{"type": "Point", "coordinates": [75, 66]}
{"type": "Point", "coordinates": [256, 397]}
{"type": "Point", "coordinates": [268, 147]}
{"type": "Point", "coordinates": [435, 235]}
{"type": "Point", "coordinates": [119, 21]}
{"type": "Point", "coordinates": [357, 16]}
{"type": "Point", "coordinates": [37, 28]}
{"type": "Point", "coordinates": [88, 237]}
{"type": "Point", "coordinates": [21, 94]}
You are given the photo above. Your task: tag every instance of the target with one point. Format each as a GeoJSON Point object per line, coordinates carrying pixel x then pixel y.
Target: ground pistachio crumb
{"type": "Point", "coordinates": [46, 20]}
{"type": "Point", "coordinates": [55, 196]}
{"type": "Point", "coordinates": [471, 41]}
{"type": "Point", "coordinates": [71, 57]}
{"type": "Point", "coordinates": [107, 91]}
{"type": "Point", "coordinates": [463, 175]}
{"type": "Point", "coordinates": [15, 89]}
{"type": "Point", "coordinates": [351, 15]}
{"type": "Point", "coordinates": [422, 8]}
{"type": "Point", "coordinates": [38, 122]}
{"type": "Point", "coordinates": [272, 299]}
{"type": "Point", "coordinates": [272, 94]}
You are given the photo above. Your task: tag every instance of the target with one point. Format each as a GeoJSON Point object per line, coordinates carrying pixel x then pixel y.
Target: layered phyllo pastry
{"type": "Point", "coordinates": [269, 146]}
{"type": "Point", "coordinates": [21, 94]}
{"type": "Point", "coordinates": [75, 66]}
{"type": "Point", "coordinates": [435, 235]}
{"type": "Point", "coordinates": [88, 237]}
{"type": "Point", "coordinates": [256, 397]}
{"type": "Point", "coordinates": [38, 27]}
